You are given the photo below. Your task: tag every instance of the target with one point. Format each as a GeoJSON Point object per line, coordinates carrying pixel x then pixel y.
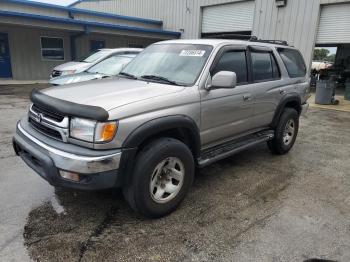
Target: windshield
{"type": "Point", "coordinates": [178, 63]}
{"type": "Point", "coordinates": [112, 65]}
{"type": "Point", "coordinates": [96, 55]}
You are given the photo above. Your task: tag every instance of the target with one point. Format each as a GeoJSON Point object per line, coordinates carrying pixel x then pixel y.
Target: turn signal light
{"type": "Point", "coordinates": [105, 131]}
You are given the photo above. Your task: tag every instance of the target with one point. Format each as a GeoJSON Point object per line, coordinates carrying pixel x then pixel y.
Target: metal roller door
{"type": "Point", "coordinates": [233, 17]}
{"type": "Point", "coordinates": [334, 26]}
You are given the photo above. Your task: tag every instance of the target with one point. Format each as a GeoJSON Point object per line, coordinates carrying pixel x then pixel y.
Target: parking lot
{"type": "Point", "coordinates": [250, 207]}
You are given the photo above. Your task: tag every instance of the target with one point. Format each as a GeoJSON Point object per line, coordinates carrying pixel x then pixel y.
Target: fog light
{"type": "Point", "coordinates": [70, 176]}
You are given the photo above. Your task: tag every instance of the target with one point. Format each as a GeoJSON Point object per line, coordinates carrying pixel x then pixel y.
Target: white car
{"type": "Point", "coordinates": [111, 66]}
{"type": "Point", "coordinates": [94, 58]}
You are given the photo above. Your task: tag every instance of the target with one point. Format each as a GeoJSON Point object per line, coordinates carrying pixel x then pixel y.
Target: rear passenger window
{"type": "Point", "coordinates": [264, 66]}
{"type": "Point", "coordinates": [234, 61]}
{"type": "Point", "coordinates": [293, 61]}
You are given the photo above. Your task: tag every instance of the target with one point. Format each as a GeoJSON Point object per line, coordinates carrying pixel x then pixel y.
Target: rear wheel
{"type": "Point", "coordinates": [162, 176]}
{"type": "Point", "coordinates": [285, 132]}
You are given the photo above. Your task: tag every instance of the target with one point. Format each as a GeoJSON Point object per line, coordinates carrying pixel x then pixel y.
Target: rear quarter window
{"type": "Point", "coordinates": [293, 61]}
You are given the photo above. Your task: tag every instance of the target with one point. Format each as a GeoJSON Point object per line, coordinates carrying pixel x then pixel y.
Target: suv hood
{"type": "Point", "coordinates": [72, 66]}
{"type": "Point", "coordinates": [111, 92]}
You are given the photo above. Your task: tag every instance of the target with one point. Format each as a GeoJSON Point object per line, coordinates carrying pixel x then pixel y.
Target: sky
{"type": "Point", "coordinates": [56, 2]}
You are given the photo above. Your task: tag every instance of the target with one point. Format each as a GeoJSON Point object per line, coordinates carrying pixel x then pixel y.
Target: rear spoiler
{"type": "Point", "coordinates": [67, 108]}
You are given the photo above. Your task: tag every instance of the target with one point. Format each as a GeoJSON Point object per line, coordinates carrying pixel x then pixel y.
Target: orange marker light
{"type": "Point", "coordinates": [108, 131]}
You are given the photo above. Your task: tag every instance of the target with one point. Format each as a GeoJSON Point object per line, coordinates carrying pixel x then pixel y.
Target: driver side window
{"type": "Point", "coordinates": [234, 61]}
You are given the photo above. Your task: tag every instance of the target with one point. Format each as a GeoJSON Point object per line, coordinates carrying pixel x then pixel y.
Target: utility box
{"type": "Point", "coordinates": [281, 3]}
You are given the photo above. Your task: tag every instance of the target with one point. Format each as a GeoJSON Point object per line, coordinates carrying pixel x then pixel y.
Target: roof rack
{"type": "Point", "coordinates": [277, 42]}
{"type": "Point", "coordinates": [227, 36]}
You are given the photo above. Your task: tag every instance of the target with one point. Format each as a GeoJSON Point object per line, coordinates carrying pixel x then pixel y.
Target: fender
{"type": "Point", "coordinates": [287, 98]}
{"type": "Point", "coordinates": [149, 129]}
{"type": "Point", "coordinates": [152, 127]}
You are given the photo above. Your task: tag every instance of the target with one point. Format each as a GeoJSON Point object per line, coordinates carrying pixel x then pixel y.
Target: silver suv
{"type": "Point", "coordinates": [179, 105]}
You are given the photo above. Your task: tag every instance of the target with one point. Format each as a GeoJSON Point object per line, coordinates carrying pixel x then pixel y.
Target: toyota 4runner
{"type": "Point", "coordinates": [179, 105]}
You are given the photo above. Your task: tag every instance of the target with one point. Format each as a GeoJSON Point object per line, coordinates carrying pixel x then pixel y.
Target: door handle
{"type": "Point", "coordinates": [247, 97]}
{"type": "Point", "coordinates": [282, 92]}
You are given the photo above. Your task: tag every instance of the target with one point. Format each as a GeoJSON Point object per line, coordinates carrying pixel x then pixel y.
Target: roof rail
{"type": "Point", "coordinates": [278, 42]}
{"type": "Point", "coordinates": [227, 36]}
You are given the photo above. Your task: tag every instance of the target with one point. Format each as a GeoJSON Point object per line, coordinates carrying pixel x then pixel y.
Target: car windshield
{"type": "Point", "coordinates": [170, 63]}
{"type": "Point", "coordinates": [112, 65]}
{"type": "Point", "coordinates": [96, 55]}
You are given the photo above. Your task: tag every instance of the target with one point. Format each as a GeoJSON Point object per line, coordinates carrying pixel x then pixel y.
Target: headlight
{"type": "Point", "coordinates": [92, 131]}
{"type": "Point", "coordinates": [68, 72]}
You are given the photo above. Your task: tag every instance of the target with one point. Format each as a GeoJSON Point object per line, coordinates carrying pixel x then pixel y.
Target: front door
{"type": "Point", "coordinates": [5, 59]}
{"type": "Point", "coordinates": [226, 113]}
{"type": "Point", "coordinates": [97, 44]}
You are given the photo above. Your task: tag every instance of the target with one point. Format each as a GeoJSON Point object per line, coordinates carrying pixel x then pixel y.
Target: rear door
{"type": "Point", "coordinates": [226, 113]}
{"type": "Point", "coordinates": [5, 59]}
{"type": "Point", "coordinates": [296, 69]}
{"type": "Point", "coordinates": [267, 85]}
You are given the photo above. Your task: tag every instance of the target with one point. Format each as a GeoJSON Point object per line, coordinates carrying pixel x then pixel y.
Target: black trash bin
{"type": "Point", "coordinates": [347, 90]}
{"type": "Point", "coordinates": [325, 91]}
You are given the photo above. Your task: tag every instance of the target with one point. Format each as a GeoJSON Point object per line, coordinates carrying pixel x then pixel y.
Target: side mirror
{"type": "Point", "coordinates": [223, 79]}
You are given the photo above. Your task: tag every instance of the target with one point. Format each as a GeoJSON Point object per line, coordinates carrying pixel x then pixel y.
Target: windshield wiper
{"type": "Point", "coordinates": [160, 78]}
{"type": "Point", "coordinates": [127, 75]}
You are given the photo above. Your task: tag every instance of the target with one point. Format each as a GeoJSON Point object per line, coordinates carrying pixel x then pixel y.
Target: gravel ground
{"type": "Point", "coordinates": [250, 207]}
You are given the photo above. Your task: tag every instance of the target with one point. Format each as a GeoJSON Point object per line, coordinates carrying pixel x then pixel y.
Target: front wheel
{"type": "Point", "coordinates": [285, 133]}
{"type": "Point", "coordinates": [162, 176]}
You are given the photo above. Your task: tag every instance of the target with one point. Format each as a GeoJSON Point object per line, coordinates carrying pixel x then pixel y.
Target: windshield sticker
{"type": "Point", "coordinates": [199, 53]}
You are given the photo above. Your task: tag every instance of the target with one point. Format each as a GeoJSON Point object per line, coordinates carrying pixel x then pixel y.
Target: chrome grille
{"type": "Point", "coordinates": [49, 123]}
{"type": "Point", "coordinates": [47, 113]}
{"type": "Point", "coordinates": [45, 130]}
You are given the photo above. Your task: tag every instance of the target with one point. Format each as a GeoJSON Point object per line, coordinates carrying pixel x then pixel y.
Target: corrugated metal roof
{"type": "Point", "coordinates": [83, 11]}
{"type": "Point", "coordinates": [87, 23]}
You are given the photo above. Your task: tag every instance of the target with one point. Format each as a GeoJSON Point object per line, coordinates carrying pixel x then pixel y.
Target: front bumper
{"type": "Point", "coordinates": [304, 108]}
{"type": "Point", "coordinates": [96, 172]}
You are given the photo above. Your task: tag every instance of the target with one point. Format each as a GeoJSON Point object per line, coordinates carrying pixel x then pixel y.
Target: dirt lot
{"type": "Point", "coordinates": [251, 207]}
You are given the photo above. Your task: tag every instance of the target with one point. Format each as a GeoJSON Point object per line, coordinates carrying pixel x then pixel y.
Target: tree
{"type": "Point", "coordinates": [320, 54]}
{"type": "Point", "coordinates": [331, 58]}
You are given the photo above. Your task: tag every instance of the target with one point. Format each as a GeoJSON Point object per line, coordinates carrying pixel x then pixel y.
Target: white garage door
{"type": "Point", "coordinates": [334, 26]}
{"type": "Point", "coordinates": [233, 17]}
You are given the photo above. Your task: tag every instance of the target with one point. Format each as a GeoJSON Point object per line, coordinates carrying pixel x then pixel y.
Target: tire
{"type": "Point", "coordinates": [164, 164]}
{"type": "Point", "coordinates": [285, 133]}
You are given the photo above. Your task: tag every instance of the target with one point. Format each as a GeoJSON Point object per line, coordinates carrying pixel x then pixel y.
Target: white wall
{"type": "Point", "coordinates": [175, 14]}
{"type": "Point", "coordinates": [25, 49]}
{"type": "Point", "coordinates": [297, 22]}
{"type": "Point", "coordinates": [25, 52]}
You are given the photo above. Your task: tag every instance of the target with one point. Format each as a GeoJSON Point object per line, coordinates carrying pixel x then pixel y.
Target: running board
{"type": "Point", "coordinates": [231, 148]}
